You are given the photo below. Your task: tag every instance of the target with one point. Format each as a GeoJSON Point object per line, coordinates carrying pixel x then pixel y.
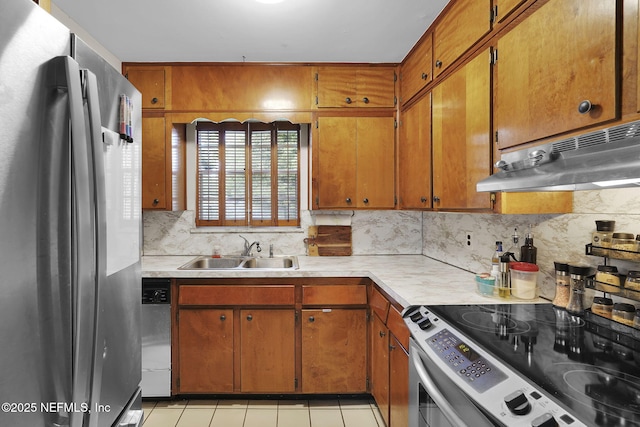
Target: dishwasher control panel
{"type": "Point", "coordinates": [156, 291]}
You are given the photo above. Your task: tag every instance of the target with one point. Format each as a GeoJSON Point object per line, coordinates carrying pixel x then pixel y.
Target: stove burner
{"type": "Point", "coordinates": [503, 324]}
{"type": "Point", "coordinates": [614, 394]}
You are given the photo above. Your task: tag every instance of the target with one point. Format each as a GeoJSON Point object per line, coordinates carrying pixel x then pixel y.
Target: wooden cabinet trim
{"type": "Point", "coordinates": [379, 304]}
{"type": "Point", "coordinates": [236, 295]}
{"type": "Point", "coordinates": [334, 295]}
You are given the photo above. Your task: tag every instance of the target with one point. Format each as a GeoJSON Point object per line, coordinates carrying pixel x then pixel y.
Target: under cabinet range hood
{"type": "Point", "coordinates": [608, 158]}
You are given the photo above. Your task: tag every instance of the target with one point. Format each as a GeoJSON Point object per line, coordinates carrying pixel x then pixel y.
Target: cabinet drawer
{"type": "Point", "coordinates": [236, 295]}
{"type": "Point", "coordinates": [379, 304]}
{"type": "Point", "coordinates": [397, 327]}
{"type": "Point", "coordinates": [334, 295]}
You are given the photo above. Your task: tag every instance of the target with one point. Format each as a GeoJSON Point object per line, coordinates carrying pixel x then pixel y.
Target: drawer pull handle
{"type": "Point", "coordinates": [249, 318]}
{"type": "Point", "coordinates": [312, 319]}
{"type": "Point", "coordinates": [223, 317]}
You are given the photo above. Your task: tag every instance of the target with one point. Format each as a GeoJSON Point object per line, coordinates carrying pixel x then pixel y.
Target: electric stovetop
{"type": "Point", "coordinates": [589, 363]}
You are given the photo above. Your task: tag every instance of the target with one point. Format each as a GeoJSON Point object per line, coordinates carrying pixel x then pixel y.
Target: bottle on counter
{"type": "Point", "coordinates": [495, 260]}
{"type": "Point", "coordinates": [503, 280]}
{"type": "Point", "coordinates": [528, 252]}
{"type": "Point", "coordinates": [561, 299]}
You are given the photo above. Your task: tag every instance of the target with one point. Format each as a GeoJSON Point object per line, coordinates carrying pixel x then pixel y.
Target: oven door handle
{"type": "Point", "coordinates": [434, 392]}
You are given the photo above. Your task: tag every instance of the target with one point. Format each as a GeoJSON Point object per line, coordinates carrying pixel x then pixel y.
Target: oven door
{"type": "Point", "coordinates": [435, 400]}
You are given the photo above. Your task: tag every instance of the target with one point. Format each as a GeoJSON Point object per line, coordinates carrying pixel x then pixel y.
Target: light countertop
{"type": "Point", "coordinates": [409, 279]}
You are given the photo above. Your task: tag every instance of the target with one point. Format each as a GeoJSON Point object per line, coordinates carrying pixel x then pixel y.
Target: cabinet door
{"type": "Point", "coordinates": [150, 82]}
{"type": "Point", "coordinates": [414, 156]}
{"type": "Point", "coordinates": [154, 163]}
{"type": "Point", "coordinates": [462, 25]}
{"type": "Point", "coordinates": [375, 164]}
{"type": "Point", "coordinates": [267, 350]}
{"type": "Point", "coordinates": [461, 137]}
{"type": "Point", "coordinates": [505, 7]}
{"type": "Point", "coordinates": [543, 76]}
{"type": "Point", "coordinates": [375, 87]}
{"type": "Point", "coordinates": [398, 384]}
{"type": "Point", "coordinates": [415, 71]}
{"type": "Point", "coordinates": [336, 160]}
{"type": "Point", "coordinates": [205, 348]}
{"type": "Point", "coordinates": [380, 366]}
{"type": "Point", "coordinates": [355, 87]}
{"type": "Point", "coordinates": [334, 351]}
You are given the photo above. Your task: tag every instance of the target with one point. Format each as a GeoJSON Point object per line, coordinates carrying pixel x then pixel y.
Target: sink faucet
{"type": "Point", "coordinates": [248, 246]}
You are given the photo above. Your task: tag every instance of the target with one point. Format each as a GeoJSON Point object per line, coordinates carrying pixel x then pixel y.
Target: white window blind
{"type": "Point", "coordinates": [248, 174]}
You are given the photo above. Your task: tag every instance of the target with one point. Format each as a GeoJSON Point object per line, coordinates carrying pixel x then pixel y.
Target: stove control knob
{"type": "Point", "coordinates": [517, 403]}
{"type": "Point", "coordinates": [424, 323]}
{"type": "Point", "coordinates": [544, 420]}
{"type": "Point", "coordinates": [414, 314]}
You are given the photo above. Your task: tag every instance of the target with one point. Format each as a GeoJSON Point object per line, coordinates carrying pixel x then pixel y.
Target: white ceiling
{"type": "Point", "coordinates": [245, 30]}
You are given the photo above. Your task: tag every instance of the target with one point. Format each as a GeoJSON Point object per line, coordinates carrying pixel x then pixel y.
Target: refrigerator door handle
{"type": "Point", "coordinates": [83, 282]}
{"type": "Point", "coordinates": [90, 86]}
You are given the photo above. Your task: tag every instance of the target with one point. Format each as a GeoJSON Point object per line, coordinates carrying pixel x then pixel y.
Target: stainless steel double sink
{"type": "Point", "coordinates": [238, 263]}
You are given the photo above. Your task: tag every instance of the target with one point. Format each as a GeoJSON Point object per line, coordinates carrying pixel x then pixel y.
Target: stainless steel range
{"type": "Point", "coordinates": [520, 365]}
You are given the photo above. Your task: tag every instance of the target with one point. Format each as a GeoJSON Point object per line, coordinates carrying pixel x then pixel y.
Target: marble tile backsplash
{"type": "Point", "coordinates": [439, 235]}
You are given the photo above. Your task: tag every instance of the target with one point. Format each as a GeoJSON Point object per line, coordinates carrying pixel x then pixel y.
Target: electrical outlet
{"type": "Point", "coordinates": [468, 239]}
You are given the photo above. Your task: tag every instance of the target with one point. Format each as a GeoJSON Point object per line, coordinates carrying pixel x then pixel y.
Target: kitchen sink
{"type": "Point", "coordinates": [281, 262]}
{"type": "Point", "coordinates": [234, 263]}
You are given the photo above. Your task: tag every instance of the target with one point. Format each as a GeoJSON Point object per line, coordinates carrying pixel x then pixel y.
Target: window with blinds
{"type": "Point", "coordinates": [248, 174]}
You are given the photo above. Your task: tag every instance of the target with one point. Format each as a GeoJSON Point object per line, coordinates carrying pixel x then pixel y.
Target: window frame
{"type": "Point", "coordinates": [248, 128]}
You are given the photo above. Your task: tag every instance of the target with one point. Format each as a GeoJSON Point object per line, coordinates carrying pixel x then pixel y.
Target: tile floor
{"type": "Point", "coordinates": [262, 413]}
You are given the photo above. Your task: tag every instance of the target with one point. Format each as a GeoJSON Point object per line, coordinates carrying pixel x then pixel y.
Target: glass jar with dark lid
{"type": "Point", "coordinates": [608, 275]}
{"type": "Point", "coordinates": [561, 298]}
{"type": "Point", "coordinates": [624, 246]}
{"type": "Point", "coordinates": [633, 280]}
{"type": "Point", "coordinates": [578, 275]}
{"type": "Point", "coordinates": [601, 238]}
{"type": "Point", "coordinates": [602, 306]}
{"type": "Point", "coordinates": [623, 313]}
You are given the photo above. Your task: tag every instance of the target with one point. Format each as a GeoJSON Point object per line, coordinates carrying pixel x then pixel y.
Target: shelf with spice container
{"type": "Point", "coordinates": [607, 279]}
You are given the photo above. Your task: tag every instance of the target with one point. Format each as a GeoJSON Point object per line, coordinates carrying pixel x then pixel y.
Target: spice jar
{"type": "Point", "coordinates": [602, 306]}
{"type": "Point", "coordinates": [633, 280]}
{"type": "Point", "coordinates": [608, 275]}
{"type": "Point", "coordinates": [623, 313]}
{"type": "Point", "coordinates": [562, 285]}
{"type": "Point", "coordinates": [601, 238]}
{"type": "Point", "coordinates": [578, 274]}
{"type": "Point", "coordinates": [624, 245]}
{"type": "Point", "coordinates": [636, 319]}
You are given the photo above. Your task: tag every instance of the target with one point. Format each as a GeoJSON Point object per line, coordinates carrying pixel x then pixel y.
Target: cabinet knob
{"type": "Point", "coordinates": [312, 319]}
{"type": "Point", "coordinates": [365, 200]}
{"type": "Point", "coordinates": [585, 106]}
{"type": "Point", "coordinates": [438, 63]}
{"type": "Point", "coordinates": [425, 76]}
{"type": "Point", "coordinates": [223, 317]}
{"type": "Point", "coordinates": [365, 100]}
{"type": "Point", "coordinates": [392, 347]}
{"type": "Point", "coordinates": [154, 100]}
{"type": "Point", "coordinates": [382, 334]}
{"type": "Point", "coordinates": [436, 199]}
{"type": "Point", "coordinates": [347, 100]}
{"type": "Point", "coordinates": [348, 200]}
{"type": "Point", "coordinates": [155, 202]}
{"type": "Point", "coordinates": [423, 199]}
{"type": "Point", "coordinates": [249, 318]}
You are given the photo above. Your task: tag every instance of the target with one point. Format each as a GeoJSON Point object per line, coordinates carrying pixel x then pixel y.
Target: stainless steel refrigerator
{"type": "Point", "coordinates": [70, 229]}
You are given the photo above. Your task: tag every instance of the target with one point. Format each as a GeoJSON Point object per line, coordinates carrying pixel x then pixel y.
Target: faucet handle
{"type": "Point", "coordinates": [258, 248]}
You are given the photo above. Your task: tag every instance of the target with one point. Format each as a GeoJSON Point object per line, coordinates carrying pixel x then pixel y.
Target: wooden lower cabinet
{"type": "Point", "coordinates": [205, 350]}
{"type": "Point", "coordinates": [267, 350]}
{"type": "Point", "coordinates": [334, 350]}
{"type": "Point", "coordinates": [398, 384]}
{"type": "Point", "coordinates": [380, 366]}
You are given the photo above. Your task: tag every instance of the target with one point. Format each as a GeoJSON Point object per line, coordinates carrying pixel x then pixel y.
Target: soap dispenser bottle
{"type": "Point", "coordinates": [528, 252]}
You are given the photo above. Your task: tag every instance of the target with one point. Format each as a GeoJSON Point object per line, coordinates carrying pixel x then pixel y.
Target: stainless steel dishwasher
{"type": "Point", "coordinates": [156, 337]}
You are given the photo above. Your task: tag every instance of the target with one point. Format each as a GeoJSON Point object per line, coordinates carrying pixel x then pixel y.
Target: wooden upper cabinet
{"type": "Point", "coordinates": [154, 164]}
{"type": "Point", "coordinates": [151, 82]}
{"type": "Point", "coordinates": [355, 87]}
{"type": "Point", "coordinates": [416, 71]}
{"type": "Point", "coordinates": [543, 77]}
{"type": "Point", "coordinates": [505, 7]}
{"type": "Point", "coordinates": [353, 162]}
{"type": "Point", "coordinates": [462, 136]}
{"type": "Point", "coordinates": [414, 156]}
{"type": "Point", "coordinates": [245, 87]}
{"type": "Point", "coordinates": [463, 24]}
